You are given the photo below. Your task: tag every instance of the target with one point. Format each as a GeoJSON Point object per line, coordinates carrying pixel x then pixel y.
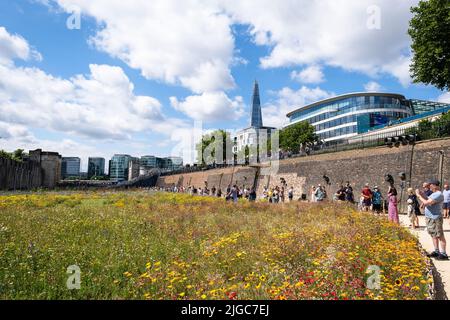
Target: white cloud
{"type": "Point", "coordinates": [100, 105]}
{"type": "Point", "coordinates": [444, 98]}
{"type": "Point", "coordinates": [330, 32]}
{"type": "Point", "coordinates": [373, 86]}
{"type": "Point", "coordinates": [211, 106]}
{"type": "Point", "coordinates": [312, 74]}
{"type": "Point", "coordinates": [179, 42]}
{"type": "Point", "coordinates": [288, 100]}
{"type": "Point", "coordinates": [14, 46]}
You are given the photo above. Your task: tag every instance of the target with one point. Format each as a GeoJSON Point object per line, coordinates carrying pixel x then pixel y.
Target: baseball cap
{"type": "Point", "coordinates": [435, 182]}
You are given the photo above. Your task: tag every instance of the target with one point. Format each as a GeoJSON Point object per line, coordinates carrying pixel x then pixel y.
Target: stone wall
{"type": "Point", "coordinates": [50, 163]}
{"type": "Point", "coordinates": [219, 178]}
{"type": "Point", "coordinates": [356, 166]}
{"type": "Point", "coordinates": [19, 176]}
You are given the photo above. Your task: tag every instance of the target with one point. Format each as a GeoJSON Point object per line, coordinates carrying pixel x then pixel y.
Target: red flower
{"type": "Point", "coordinates": [232, 295]}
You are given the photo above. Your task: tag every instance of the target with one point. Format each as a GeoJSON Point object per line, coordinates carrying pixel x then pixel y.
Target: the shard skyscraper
{"type": "Point", "coordinates": [256, 108]}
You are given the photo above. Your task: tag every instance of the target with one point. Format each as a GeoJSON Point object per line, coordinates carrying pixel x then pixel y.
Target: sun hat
{"type": "Point", "coordinates": [435, 182]}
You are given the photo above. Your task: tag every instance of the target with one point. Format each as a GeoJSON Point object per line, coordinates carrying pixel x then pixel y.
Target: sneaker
{"type": "Point", "coordinates": [435, 254]}
{"type": "Point", "coordinates": [442, 257]}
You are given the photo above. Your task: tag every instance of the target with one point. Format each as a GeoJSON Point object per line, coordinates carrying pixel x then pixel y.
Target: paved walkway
{"type": "Point", "coordinates": [442, 276]}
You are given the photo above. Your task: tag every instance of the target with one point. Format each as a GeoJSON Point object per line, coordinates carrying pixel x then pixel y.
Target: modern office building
{"type": "Point", "coordinates": [174, 163]}
{"type": "Point", "coordinates": [119, 164]}
{"type": "Point", "coordinates": [342, 117]}
{"type": "Point", "coordinates": [166, 164]}
{"type": "Point", "coordinates": [252, 135]}
{"type": "Point", "coordinates": [96, 167]}
{"type": "Point", "coordinates": [151, 162]}
{"type": "Point", "coordinates": [70, 167]}
{"type": "Point", "coordinates": [133, 168]}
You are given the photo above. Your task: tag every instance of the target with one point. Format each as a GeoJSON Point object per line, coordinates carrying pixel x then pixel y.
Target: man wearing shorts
{"type": "Point", "coordinates": [366, 195]}
{"type": "Point", "coordinates": [434, 219]}
{"type": "Point", "coordinates": [446, 206]}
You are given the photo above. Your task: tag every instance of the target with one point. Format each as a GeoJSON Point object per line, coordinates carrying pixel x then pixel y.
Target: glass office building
{"type": "Point", "coordinates": [70, 167]}
{"type": "Point", "coordinates": [119, 165]}
{"type": "Point", "coordinates": [96, 167]}
{"type": "Point", "coordinates": [345, 116]}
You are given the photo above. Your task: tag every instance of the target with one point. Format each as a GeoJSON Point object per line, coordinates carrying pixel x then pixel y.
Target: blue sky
{"type": "Point", "coordinates": [136, 75]}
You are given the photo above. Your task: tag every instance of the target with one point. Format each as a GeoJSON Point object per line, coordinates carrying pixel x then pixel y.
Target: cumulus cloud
{"type": "Point", "coordinates": [373, 86]}
{"type": "Point", "coordinates": [100, 105]}
{"type": "Point", "coordinates": [330, 32]}
{"type": "Point", "coordinates": [178, 42]}
{"type": "Point", "coordinates": [191, 43]}
{"type": "Point", "coordinates": [14, 46]}
{"type": "Point", "coordinates": [211, 106]}
{"type": "Point", "coordinates": [312, 74]}
{"type": "Point", "coordinates": [288, 100]}
{"type": "Point", "coordinates": [444, 98]}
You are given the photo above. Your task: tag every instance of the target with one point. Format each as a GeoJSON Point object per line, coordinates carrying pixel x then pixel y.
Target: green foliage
{"type": "Point", "coordinates": [209, 140]}
{"type": "Point", "coordinates": [430, 33]}
{"type": "Point", "coordinates": [18, 155]}
{"type": "Point", "coordinates": [432, 130]}
{"type": "Point", "coordinates": [300, 133]}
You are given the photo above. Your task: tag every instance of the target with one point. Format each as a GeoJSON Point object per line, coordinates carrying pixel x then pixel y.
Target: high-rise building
{"type": "Point", "coordinates": [256, 133]}
{"type": "Point", "coordinates": [257, 121]}
{"type": "Point", "coordinates": [119, 167]}
{"type": "Point", "coordinates": [96, 167]}
{"type": "Point", "coordinates": [70, 167]}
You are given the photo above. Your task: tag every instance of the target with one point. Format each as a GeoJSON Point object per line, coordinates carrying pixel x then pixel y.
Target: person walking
{"type": "Point", "coordinates": [366, 195]}
{"type": "Point", "coordinates": [291, 194]}
{"type": "Point", "coordinates": [413, 208]}
{"type": "Point", "coordinates": [313, 194]}
{"type": "Point", "coordinates": [377, 200]}
{"type": "Point", "coordinates": [349, 197]}
{"type": "Point", "coordinates": [319, 194]}
{"type": "Point", "coordinates": [252, 195]}
{"type": "Point", "coordinates": [446, 205]}
{"type": "Point", "coordinates": [392, 207]}
{"type": "Point", "coordinates": [235, 193]}
{"type": "Point", "coordinates": [434, 219]}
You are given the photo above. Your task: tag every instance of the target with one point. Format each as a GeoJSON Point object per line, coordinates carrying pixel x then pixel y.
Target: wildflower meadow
{"type": "Point", "coordinates": [139, 245]}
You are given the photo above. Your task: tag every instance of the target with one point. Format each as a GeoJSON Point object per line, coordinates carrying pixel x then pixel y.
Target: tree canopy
{"type": "Point", "coordinates": [209, 142]}
{"type": "Point", "coordinates": [430, 33]}
{"type": "Point", "coordinates": [427, 129]}
{"type": "Point", "coordinates": [293, 136]}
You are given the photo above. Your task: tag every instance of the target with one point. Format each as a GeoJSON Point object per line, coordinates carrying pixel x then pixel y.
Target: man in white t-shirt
{"type": "Point", "coordinates": [446, 205]}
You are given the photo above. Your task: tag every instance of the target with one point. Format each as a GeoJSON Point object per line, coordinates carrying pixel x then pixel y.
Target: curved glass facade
{"type": "Point", "coordinates": [340, 118]}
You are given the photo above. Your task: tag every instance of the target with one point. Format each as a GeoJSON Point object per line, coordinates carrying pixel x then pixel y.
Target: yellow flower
{"type": "Point", "coordinates": [203, 296]}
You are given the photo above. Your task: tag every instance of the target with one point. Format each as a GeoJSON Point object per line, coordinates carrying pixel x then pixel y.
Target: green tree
{"type": "Point", "coordinates": [293, 136]}
{"type": "Point", "coordinates": [4, 154]}
{"type": "Point", "coordinates": [18, 155]}
{"type": "Point", "coordinates": [427, 129]}
{"type": "Point", "coordinates": [209, 140]}
{"type": "Point", "coordinates": [430, 33]}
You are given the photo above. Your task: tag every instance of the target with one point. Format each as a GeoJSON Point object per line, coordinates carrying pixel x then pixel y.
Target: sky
{"type": "Point", "coordinates": [142, 77]}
